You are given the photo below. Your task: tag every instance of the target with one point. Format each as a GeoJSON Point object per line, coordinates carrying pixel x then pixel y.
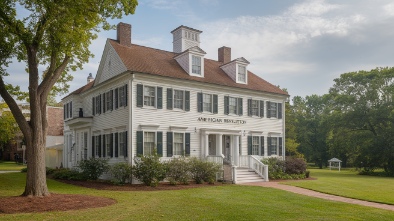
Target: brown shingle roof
{"type": "Point", "coordinates": [154, 61]}
{"type": "Point", "coordinates": [81, 89]}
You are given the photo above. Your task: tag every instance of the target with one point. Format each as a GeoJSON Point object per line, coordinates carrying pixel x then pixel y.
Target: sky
{"type": "Point", "coordinates": [300, 45]}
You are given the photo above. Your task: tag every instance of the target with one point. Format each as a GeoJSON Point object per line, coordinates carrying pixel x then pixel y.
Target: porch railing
{"type": "Point", "coordinates": [215, 159]}
{"type": "Point", "coordinates": [255, 164]}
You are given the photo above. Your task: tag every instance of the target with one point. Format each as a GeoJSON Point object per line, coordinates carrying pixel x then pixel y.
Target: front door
{"type": "Point", "coordinates": [226, 148]}
{"type": "Point", "coordinates": [212, 144]}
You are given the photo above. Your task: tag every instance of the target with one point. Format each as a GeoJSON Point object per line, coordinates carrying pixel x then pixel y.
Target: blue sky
{"type": "Point", "coordinates": [301, 45]}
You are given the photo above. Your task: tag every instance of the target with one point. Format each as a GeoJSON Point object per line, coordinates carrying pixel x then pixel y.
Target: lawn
{"type": "Point", "coordinates": [219, 202]}
{"type": "Point", "coordinates": [10, 166]}
{"type": "Point", "coordinates": [347, 183]}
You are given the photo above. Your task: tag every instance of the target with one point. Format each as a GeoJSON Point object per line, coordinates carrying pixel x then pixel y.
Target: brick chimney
{"type": "Point", "coordinates": [224, 54]}
{"type": "Point", "coordinates": [124, 34]}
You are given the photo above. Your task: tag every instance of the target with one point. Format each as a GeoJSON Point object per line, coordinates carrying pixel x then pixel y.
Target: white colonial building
{"type": "Point", "coordinates": [178, 103]}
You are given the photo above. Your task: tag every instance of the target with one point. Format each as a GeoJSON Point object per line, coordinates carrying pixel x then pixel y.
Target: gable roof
{"type": "Point", "coordinates": [81, 89]}
{"type": "Point", "coordinates": [158, 62]}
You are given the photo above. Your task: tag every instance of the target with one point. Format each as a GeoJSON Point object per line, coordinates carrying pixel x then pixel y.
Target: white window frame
{"type": "Point", "coordinates": [276, 146]}
{"type": "Point", "coordinates": [108, 101]}
{"type": "Point", "coordinates": [154, 142]}
{"type": "Point", "coordinates": [258, 107]}
{"type": "Point", "coordinates": [236, 105]}
{"type": "Point", "coordinates": [154, 96]}
{"type": "Point", "coordinates": [196, 64]}
{"type": "Point", "coordinates": [182, 146]}
{"type": "Point", "coordinates": [239, 74]}
{"type": "Point", "coordinates": [182, 100]}
{"type": "Point", "coordinates": [254, 150]}
{"type": "Point", "coordinates": [273, 113]}
{"type": "Point", "coordinates": [203, 103]}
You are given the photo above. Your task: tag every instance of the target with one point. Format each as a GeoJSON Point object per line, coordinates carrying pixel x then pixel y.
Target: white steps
{"type": "Point", "coordinates": [245, 175]}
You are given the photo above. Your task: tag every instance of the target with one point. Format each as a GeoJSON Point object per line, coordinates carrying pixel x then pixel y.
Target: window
{"type": "Point", "coordinates": [149, 143]}
{"type": "Point", "coordinates": [97, 146]}
{"type": "Point", "coordinates": [207, 102]}
{"type": "Point", "coordinates": [67, 110]}
{"type": "Point", "coordinates": [255, 145]}
{"type": "Point", "coordinates": [98, 104]}
{"type": "Point", "coordinates": [255, 108]}
{"type": "Point", "coordinates": [149, 96]}
{"type": "Point", "coordinates": [196, 65]}
{"type": "Point", "coordinates": [122, 144]}
{"type": "Point", "coordinates": [273, 145]}
{"type": "Point", "coordinates": [108, 100]}
{"type": "Point", "coordinates": [108, 145]}
{"type": "Point", "coordinates": [178, 144]}
{"type": "Point", "coordinates": [241, 73]}
{"type": "Point", "coordinates": [274, 110]}
{"type": "Point", "coordinates": [178, 99]}
{"type": "Point", "coordinates": [232, 106]}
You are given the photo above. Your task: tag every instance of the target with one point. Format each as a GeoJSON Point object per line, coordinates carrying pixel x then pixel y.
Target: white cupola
{"type": "Point", "coordinates": [185, 38]}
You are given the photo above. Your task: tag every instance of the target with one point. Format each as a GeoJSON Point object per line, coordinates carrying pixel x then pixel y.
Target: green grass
{"type": "Point", "coordinates": [219, 202]}
{"type": "Point", "coordinates": [347, 183]}
{"type": "Point", "coordinates": [10, 166]}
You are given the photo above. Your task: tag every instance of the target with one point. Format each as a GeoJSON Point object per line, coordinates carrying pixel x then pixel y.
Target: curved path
{"type": "Point", "coordinates": [312, 193]}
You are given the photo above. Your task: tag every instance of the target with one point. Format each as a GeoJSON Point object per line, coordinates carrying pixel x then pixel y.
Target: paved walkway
{"type": "Point", "coordinates": [312, 193]}
{"type": "Point", "coordinates": [6, 171]}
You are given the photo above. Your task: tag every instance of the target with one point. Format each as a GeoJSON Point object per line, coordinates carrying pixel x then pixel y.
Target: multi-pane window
{"type": "Point", "coordinates": [273, 109]}
{"type": "Point", "coordinates": [274, 146]}
{"type": "Point", "coordinates": [255, 108]}
{"type": "Point", "coordinates": [232, 105]}
{"type": "Point", "coordinates": [108, 100]}
{"type": "Point", "coordinates": [122, 144]}
{"type": "Point", "coordinates": [108, 145]}
{"type": "Point", "coordinates": [68, 112]}
{"type": "Point", "coordinates": [149, 143]}
{"type": "Point", "coordinates": [207, 102]}
{"type": "Point", "coordinates": [85, 145]}
{"type": "Point", "coordinates": [241, 73]}
{"type": "Point", "coordinates": [196, 65]}
{"type": "Point", "coordinates": [255, 145]}
{"type": "Point", "coordinates": [97, 145]}
{"type": "Point", "coordinates": [178, 144]}
{"type": "Point", "coordinates": [178, 99]}
{"type": "Point", "coordinates": [98, 104]}
{"type": "Point", "coordinates": [149, 96]}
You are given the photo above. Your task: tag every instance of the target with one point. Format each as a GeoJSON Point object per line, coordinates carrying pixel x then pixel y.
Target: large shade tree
{"type": "Point", "coordinates": [53, 35]}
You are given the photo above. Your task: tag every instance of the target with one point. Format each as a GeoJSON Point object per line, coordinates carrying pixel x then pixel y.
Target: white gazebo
{"type": "Point", "coordinates": [335, 163]}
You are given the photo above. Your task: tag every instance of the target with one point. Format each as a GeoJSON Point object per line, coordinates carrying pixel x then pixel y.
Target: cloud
{"type": "Point", "coordinates": [164, 4]}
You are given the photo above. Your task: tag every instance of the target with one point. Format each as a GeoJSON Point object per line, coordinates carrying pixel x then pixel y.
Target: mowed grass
{"type": "Point", "coordinates": [348, 184]}
{"type": "Point", "coordinates": [10, 166]}
{"type": "Point", "coordinates": [218, 202]}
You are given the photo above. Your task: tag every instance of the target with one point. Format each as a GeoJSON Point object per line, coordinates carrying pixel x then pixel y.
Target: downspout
{"type": "Point", "coordinates": [131, 119]}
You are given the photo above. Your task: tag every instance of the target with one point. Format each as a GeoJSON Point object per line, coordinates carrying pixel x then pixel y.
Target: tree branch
{"type": "Point", "coordinates": [51, 78]}
{"type": "Point", "coordinates": [16, 112]}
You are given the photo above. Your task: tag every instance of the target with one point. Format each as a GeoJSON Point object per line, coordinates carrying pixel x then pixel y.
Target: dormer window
{"type": "Point", "coordinates": [241, 73]}
{"type": "Point", "coordinates": [196, 65]}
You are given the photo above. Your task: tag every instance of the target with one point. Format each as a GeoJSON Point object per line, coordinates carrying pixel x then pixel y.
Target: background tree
{"type": "Point", "coordinates": [291, 134]}
{"type": "Point", "coordinates": [8, 126]}
{"type": "Point", "coordinates": [55, 35]}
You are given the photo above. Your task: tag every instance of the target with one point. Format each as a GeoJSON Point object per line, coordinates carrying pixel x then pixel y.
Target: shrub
{"type": "Point", "coordinates": [203, 170]}
{"type": "Point", "coordinates": [149, 170]}
{"type": "Point", "coordinates": [276, 168]}
{"type": "Point", "coordinates": [295, 166]}
{"type": "Point", "coordinates": [121, 172]}
{"type": "Point", "coordinates": [307, 173]}
{"type": "Point", "coordinates": [178, 171]}
{"type": "Point", "coordinates": [24, 170]}
{"type": "Point", "coordinates": [67, 174]}
{"type": "Point", "coordinates": [49, 170]}
{"type": "Point", "coordinates": [93, 168]}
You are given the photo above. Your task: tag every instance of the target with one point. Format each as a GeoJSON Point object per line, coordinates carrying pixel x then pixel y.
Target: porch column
{"type": "Point", "coordinates": [219, 146]}
{"type": "Point", "coordinates": [236, 149]}
{"type": "Point", "coordinates": [206, 152]}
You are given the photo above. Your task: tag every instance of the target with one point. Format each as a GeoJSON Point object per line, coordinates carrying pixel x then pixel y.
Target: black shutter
{"type": "Point", "coordinates": [159, 98]}
{"type": "Point", "coordinates": [280, 146]}
{"type": "Point", "coordinates": [249, 107]}
{"type": "Point", "coordinates": [226, 103]}
{"type": "Point", "coordinates": [140, 144]}
{"type": "Point", "coordinates": [249, 145]}
{"type": "Point", "coordinates": [99, 146]}
{"type": "Point", "coordinates": [99, 98]}
{"type": "Point", "coordinates": [112, 100]}
{"type": "Point", "coordinates": [199, 102]}
{"type": "Point", "coordinates": [125, 95]}
{"type": "Point", "coordinates": [64, 112]}
{"type": "Point", "coordinates": [159, 143]}
{"type": "Point", "coordinates": [240, 107]}
{"type": "Point", "coordinates": [279, 110]}
{"type": "Point", "coordinates": [111, 144]}
{"type": "Point", "coordinates": [104, 106]}
{"type": "Point", "coordinates": [187, 144]}
{"type": "Point", "coordinates": [116, 98]}
{"type": "Point", "coordinates": [93, 150]}
{"type": "Point", "coordinates": [262, 145]}
{"type": "Point", "coordinates": [104, 146]}
{"type": "Point", "coordinates": [269, 146]}
{"type": "Point", "coordinates": [268, 109]}
{"type": "Point", "coordinates": [169, 144]}
{"type": "Point", "coordinates": [140, 94]}
{"type": "Point", "coordinates": [71, 109]}
{"type": "Point", "coordinates": [93, 106]}
{"type": "Point", "coordinates": [187, 100]}
{"type": "Point", "coordinates": [261, 108]}
{"type": "Point", "coordinates": [126, 149]}
{"type": "Point", "coordinates": [215, 104]}
{"type": "Point", "coordinates": [169, 98]}
{"type": "Point", "coordinates": [117, 145]}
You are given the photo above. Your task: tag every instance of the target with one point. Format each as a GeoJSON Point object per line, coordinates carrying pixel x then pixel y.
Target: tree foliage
{"type": "Point", "coordinates": [53, 35]}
